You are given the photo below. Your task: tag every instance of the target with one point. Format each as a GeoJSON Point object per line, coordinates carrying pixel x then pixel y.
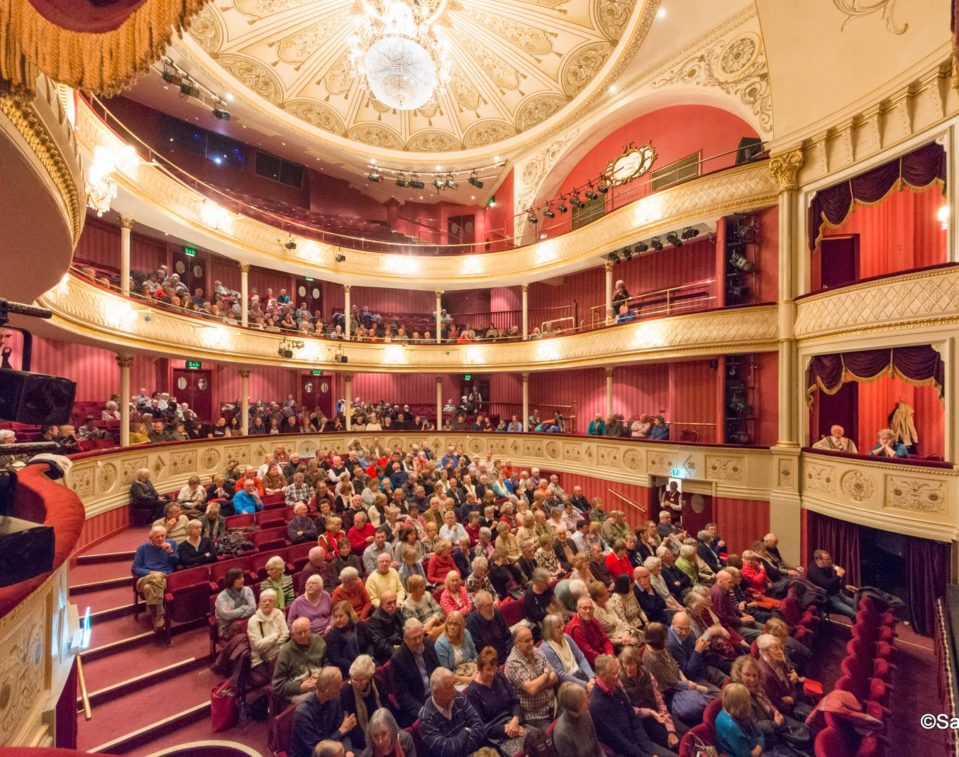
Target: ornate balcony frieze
{"type": "Point", "coordinates": [86, 310]}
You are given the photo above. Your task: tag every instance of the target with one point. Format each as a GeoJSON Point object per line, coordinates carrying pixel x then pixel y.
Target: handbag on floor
{"type": "Point", "coordinates": [224, 711]}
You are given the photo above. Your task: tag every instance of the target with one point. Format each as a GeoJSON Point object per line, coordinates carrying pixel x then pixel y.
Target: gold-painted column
{"type": "Point", "coordinates": [348, 400]}
{"type": "Point", "coordinates": [525, 418]}
{"type": "Point", "coordinates": [126, 227]}
{"type": "Point", "coordinates": [525, 289]}
{"type": "Point", "coordinates": [347, 309]}
{"type": "Point", "coordinates": [244, 294]}
{"type": "Point", "coordinates": [245, 401]}
{"type": "Point", "coordinates": [439, 403]}
{"type": "Point", "coordinates": [125, 362]}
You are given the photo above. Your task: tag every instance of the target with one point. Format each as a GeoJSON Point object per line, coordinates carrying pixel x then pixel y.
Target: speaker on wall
{"type": "Point", "coordinates": [26, 550]}
{"type": "Point", "coordinates": [749, 148]}
{"type": "Point", "coordinates": [35, 397]}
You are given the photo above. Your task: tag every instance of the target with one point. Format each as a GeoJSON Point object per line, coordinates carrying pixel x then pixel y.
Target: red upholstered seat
{"type": "Point", "coordinates": [299, 554]}
{"type": "Point", "coordinates": [830, 743]}
{"type": "Point", "coordinates": [270, 539]}
{"type": "Point", "coordinates": [270, 519]}
{"type": "Point", "coordinates": [187, 596]}
{"type": "Point", "coordinates": [239, 521]}
{"type": "Point", "coordinates": [512, 611]}
{"type": "Point", "coordinates": [712, 712]}
{"type": "Point", "coordinates": [700, 734]}
{"type": "Point", "coordinates": [218, 571]}
{"type": "Point", "coordinates": [281, 731]}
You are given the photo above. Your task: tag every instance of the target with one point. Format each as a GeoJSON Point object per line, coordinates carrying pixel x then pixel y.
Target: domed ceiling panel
{"type": "Point", "coordinates": [514, 64]}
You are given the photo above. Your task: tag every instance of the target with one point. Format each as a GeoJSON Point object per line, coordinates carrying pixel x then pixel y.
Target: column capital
{"type": "Point", "coordinates": [525, 377]}
{"type": "Point", "coordinates": [439, 293]}
{"type": "Point", "coordinates": [124, 361]}
{"type": "Point", "coordinates": [439, 379]}
{"type": "Point", "coordinates": [785, 169]}
{"type": "Point", "coordinates": [348, 377]}
{"type": "Point", "coordinates": [609, 372]}
{"type": "Point", "coordinates": [244, 267]}
{"type": "Point", "coordinates": [525, 287]}
{"type": "Point", "coordinates": [347, 287]}
{"type": "Point", "coordinates": [244, 372]}
{"type": "Point", "coordinates": [126, 223]}
{"type": "Point", "coordinates": [607, 266]}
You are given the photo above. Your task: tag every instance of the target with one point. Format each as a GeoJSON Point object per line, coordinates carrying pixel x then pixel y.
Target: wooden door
{"type": "Point", "coordinates": [309, 292]}
{"type": "Point", "coordinates": [194, 387]}
{"type": "Point", "coordinates": [191, 270]}
{"type": "Point", "coordinates": [839, 258]}
{"type": "Point", "coordinates": [317, 392]}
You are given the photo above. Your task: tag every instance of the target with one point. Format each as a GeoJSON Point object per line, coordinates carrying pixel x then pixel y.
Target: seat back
{"type": "Point", "coordinates": [266, 519]}
{"type": "Point", "coordinates": [830, 743]}
{"type": "Point", "coordinates": [218, 570]}
{"type": "Point", "coordinates": [512, 611]}
{"type": "Point", "coordinates": [790, 610]}
{"type": "Point", "coordinates": [282, 731]}
{"type": "Point", "coordinates": [239, 521]}
{"type": "Point", "coordinates": [712, 712]}
{"type": "Point", "coordinates": [189, 577]}
{"type": "Point", "coordinates": [299, 554]}
{"type": "Point", "coordinates": [694, 738]}
{"type": "Point", "coordinates": [270, 538]}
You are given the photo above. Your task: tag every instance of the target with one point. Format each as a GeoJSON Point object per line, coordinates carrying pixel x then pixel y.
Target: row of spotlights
{"type": "Point", "coordinates": [673, 238]}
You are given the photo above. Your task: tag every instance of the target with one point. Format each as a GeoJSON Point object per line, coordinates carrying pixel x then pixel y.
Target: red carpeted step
{"type": "Point", "coordinates": [93, 573]}
{"type": "Point", "coordinates": [251, 734]}
{"type": "Point", "coordinates": [145, 707]}
{"type": "Point", "coordinates": [124, 541]}
{"type": "Point", "coordinates": [116, 630]}
{"type": "Point", "coordinates": [125, 664]}
{"type": "Point", "coordinates": [105, 599]}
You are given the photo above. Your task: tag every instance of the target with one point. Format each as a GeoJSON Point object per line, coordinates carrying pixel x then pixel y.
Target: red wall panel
{"type": "Point", "coordinates": [597, 487]}
{"type": "Point", "coordinates": [100, 243]}
{"type": "Point", "coordinates": [94, 370]}
{"type": "Point", "coordinates": [741, 521]}
{"type": "Point", "coordinates": [401, 389]}
{"type": "Point", "coordinates": [877, 400]}
{"type": "Point", "coordinates": [225, 271]}
{"type": "Point", "coordinates": [766, 397]}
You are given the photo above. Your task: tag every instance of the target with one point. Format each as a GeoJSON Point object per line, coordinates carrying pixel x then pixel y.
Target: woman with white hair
{"type": "Point", "coordinates": [192, 496]}
{"type": "Point", "coordinates": [314, 604]}
{"type": "Point", "coordinates": [385, 739]}
{"type": "Point", "coordinates": [267, 632]}
{"type": "Point", "coordinates": [362, 697]}
{"type": "Point", "coordinates": [279, 581]}
{"type": "Point", "coordinates": [563, 655]}
{"type": "Point", "coordinates": [196, 549]}
{"type": "Point", "coordinates": [110, 412]}
{"type": "Point", "coordinates": [780, 681]}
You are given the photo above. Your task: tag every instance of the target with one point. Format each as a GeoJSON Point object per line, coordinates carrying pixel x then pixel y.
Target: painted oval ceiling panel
{"type": "Point", "coordinates": [513, 64]}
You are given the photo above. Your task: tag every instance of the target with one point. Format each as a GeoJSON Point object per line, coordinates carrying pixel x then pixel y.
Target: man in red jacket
{"type": "Point", "coordinates": [587, 632]}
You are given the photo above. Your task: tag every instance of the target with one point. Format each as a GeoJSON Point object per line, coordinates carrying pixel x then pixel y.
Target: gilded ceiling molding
{"type": "Point", "coordinates": [83, 309]}
{"type": "Point", "coordinates": [737, 66]}
{"type": "Point", "coordinates": [860, 8]}
{"type": "Point", "coordinates": [37, 114]}
{"type": "Point", "coordinates": [103, 62]}
{"type": "Point", "coordinates": [785, 169]}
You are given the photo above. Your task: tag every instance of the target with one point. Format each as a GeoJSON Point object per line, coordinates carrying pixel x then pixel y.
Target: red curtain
{"type": "Point", "coordinates": [927, 573]}
{"type": "Point", "coordinates": [839, 538]}
{"type": "Point", "coordinates": [917, 365]}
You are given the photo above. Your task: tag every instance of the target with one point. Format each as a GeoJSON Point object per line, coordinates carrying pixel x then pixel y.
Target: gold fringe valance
{"type": "Point", "coordinates": [104, 63]}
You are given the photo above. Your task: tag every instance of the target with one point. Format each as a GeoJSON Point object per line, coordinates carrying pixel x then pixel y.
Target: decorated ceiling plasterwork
{"type": "Point", "coordinates": [515, 64]}
{"type": "Point", "coordinates": [731, 58]}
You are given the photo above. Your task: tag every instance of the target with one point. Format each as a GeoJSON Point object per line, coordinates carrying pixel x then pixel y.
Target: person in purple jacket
{"type": "Point", "coordinates": [153, 562]}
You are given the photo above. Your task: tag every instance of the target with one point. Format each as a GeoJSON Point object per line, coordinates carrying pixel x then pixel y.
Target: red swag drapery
{"type": "Point", "coordinates": [916, 365]}
{"type": "Point", "coordinates": [917, 170]}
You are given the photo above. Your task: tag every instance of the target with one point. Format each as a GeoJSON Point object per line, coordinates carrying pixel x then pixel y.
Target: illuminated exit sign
{"type": "Point", "coordinates": [193, 365]}
{"type": "Point", "coordinates": [189, 252]}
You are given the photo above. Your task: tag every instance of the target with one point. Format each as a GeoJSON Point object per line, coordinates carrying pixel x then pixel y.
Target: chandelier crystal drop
{"type": "Point", "coordinates": [398, 55]}
{"type": "Point", "coordinates": [101, 187]}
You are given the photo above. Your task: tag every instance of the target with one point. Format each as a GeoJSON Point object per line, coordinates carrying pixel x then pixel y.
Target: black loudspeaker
{"type": "Point", "coordinates": [35, 398]}
{"type": "Point", "coordinates": [26, 550]}
{"type": "Point", "coordinates": [749, 148]}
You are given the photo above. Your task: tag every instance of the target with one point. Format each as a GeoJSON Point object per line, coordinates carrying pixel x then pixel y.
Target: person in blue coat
{"type": "Point", "coordinates": [247, 500]}
{"type": "Point", "coordinates": [737, 734]}
{"type": "Point", "coordinates": [888, 446]}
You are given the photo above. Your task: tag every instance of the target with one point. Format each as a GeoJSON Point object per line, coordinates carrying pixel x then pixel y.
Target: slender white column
{"type": "Point", "coordinates": [244, 294]}
{"type": "Point", "coordinates": [347, 309]}
{"type": "Point", "coordinates": [439, 403]}
{"type": "Point", "coordinates": [525, 289]}
{"type": "Point", "coordinates": [439, 320]}
{"type": "Point", "coordinates": [525, 418]}
{"type": "Point", "coordinates": [609, 392]}
{"type": "Point", "coordinates": [245, 400]}
{"type": "Point", "coordinates": [608, 268]}
{"type": "Point", "coordinates": [126, 225]}
{"type": "Point", "coordinates": [125, 362]}
{"type": "Point", "coordinates": [348, 400]}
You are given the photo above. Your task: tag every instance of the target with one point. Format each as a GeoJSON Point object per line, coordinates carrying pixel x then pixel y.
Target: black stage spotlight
{"type": "Point", "coordinates": [690, 232]}
{"type": "Point", "coordinates": [612, 257]}
{"type": "Point", "coordinates": [740, 261]}
{"type": "Point", "coordinates": [656, 243]}
{"type": "Point", "coordinates": [549, 212]}
{"type": "Point", "coordinates": [450, 184]}
{"type": "Point", "coordinates": [189, 89]}
{"type": "Point", "coordinates": [401, 181]}
{"type": "Point", "coordinates": [374, 174]}
{"type": "Point", "coordinates": [475, 181]}
{"type": "Point", "coordinates": [603, 186]}
{"type": "Point", "coordinates": [170, 76]}
{"type": "Point", "coordinates": [627, 252]}
{"type": "Point", "coordinates": [339, 257]}
{"type": "Point", "coordinates": [561, 205]}
{"type": "Point", "coordinates": [591, 193]}
{"type": "Point", "coordinates": [223, 115]}
{"type": "Point", "coordinates": [531, 217]}
{"type": "Point", "coordinates": [438, 182]}
{"type": "Point", "coordinates": [673, 238]}
{"type": "Point", "coordinates": [290, 243]}
{"type": "Point", "coordinates": [575, 200]}
{"type": "Point", "coordinates": [642, 247]}
{"type": "Point", "coordinates": [284, 352]}
{"type": "Point", "coordinates": [415, 183]}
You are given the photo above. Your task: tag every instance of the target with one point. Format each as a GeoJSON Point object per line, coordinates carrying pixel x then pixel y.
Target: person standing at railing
{"type": "Point", "coordinates": [620, 295]}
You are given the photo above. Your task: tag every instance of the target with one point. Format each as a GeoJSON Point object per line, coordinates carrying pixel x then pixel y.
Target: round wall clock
{"type": "Point", "coordinates": [633, 163]}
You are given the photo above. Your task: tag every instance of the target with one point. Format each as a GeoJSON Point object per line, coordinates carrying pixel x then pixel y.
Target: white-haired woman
{"type": "Point", "coordinates": [196, 549]}
{"type": "Point", "coordinates": [385, 739]}
{"type": "Point", "coordinates": [279, 581]}
{"type": "Point", "coordinates": [110, 412]}
{"type": "Point", "coordinates": [267, 632]}
{"type": "Point", "coordinates": [362, 697]}
{"type": "Point", "coordinates": [314, 604]}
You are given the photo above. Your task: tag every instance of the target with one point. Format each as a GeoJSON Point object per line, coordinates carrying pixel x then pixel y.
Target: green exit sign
{"type": "Point", "coordinates": [676, 472]}
{"type": "Point", "coordinates": [308, 278]}
{"type": "Point", "coordinates": [193, 365]}
{"type": "Point", "coordinates": [467, 377]}
{"type": "Point", "coordinates": [316, 372]}
{"type": "Point", "coordinates": [189, 252]}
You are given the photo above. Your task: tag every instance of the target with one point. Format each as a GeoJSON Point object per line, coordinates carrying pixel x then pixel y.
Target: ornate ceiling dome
{"type": "Point", "coordinates": [514, 64]}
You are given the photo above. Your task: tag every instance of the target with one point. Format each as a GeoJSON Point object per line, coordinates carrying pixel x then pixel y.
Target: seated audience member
{"type": "Point", "coordinates": [617, 725]}
{"type": "Point", "coordinates": [587, 632]}
{"type": "Point", "coordinates": [301, 528]}
{"type": "Point", "coordinates": [233, 604]}
{"type": "Point", "coordinates": [688, 562]}
{"type": "Point", "coordinates": [196, 549]}
{"type": "Point", "coordinates": [686, 699]}
{"type": "Point", "coordinates": [267, 632]}
{"type": "Point", "coordinates": [727, 610]}
{"type": "Point", "coordinates": [533, 679]}
{"type": "Point", "coordinates": [780, 681]}
{"type": "Point", "coordinates": [384, 737]}
{"type": "Point", "coordinates": [539, 598]}
{"type": "Point", "coordinates": [89, 431]}
{"type": "Point", "coordinates": [343, 558]}
{"type": "Point", "coordinates": [454, 597]}
{"type": "Point", "coordinates": [174, 521]}
{"type": "Point", "coordinates": [616, 630]}
{"type": "Point", "coordinates": [362, 534]}
{"type": "Point", "coordinates": [379, 546]}
{"type": "Point", "coordinates": [625, 606]}
{"type": "Point", "coordinates": [654, 607]}
{"type": "Point", "coordinates": [320, 717]}
{"type": "Point", "coordinates": [887, 446]}
{"type": "Point", "coordinates": [797, 654]}
{"type": "Point", "coordinates": [384, 579]}
{"type": "Point", "coordinates": [617, 561]}
{"type": "Point", "coordinates": [737, 733]}
{"type": "Point", "coordinates": [574, 734]}
{"type": "Point", "coordinates": [562, 653]}
{"type": "Point", "coordinates": [837, 441]}
{"type": "Point", "coordinates": [705, 551]}
{"type": "Point", "coordinates": [412, 665]}
{"type": "Point", "coordinates": [363, 695]}
{"type": "Point", "coordinates": [219, 490]}
{"type": "Point", "coordinates": [449, 726]}
{"type": "Point", "coordinates": [494, 700]}
{"type": "Point", "coordinates": [507, 542]}
{"type": "Point", "coordinates": [455, 648]}
{"type": "Point", "coordinates": [278, 580]}
{"type": "Point", "coordinates": [318, 565]}
{"type": "Point", "coordinates": [754, 574]}
{"type": "Point", "coordinates": [598, 568]}
{"type": "Point", "coordinates": [274, 481]}
{"type": "Point", "coordinates": [297, 665]}
{"type": "Point", "coordinates": [352, 590]}
{"type": "Point", "coordinates": [479, 579]}
{"type": "Point", "coordinates": [770, 721]}
{"type": "Point", "coordinates": [192, 496]}
{"type": "Point", "coordinates": [829, 578]}
{"type": "Point", "coordinates": [660, 429]}
{"type": "Point", "coordinates": [644, 694]}
{"type": "Point", "coordinates": [247, 500]}
{"type": "Point", "coordinates": [314, 604]}
{"type": "Point", "coordinates": [487, 626]}
{"type": "Point", "coordinates": [615, 527]}
{"type": "Point", "coordinates": [420, 604]}
{"type": "Point", "coordinates": [153, 562]}
{"type": "Point", "coordinates": [214, 524]}
{"type": "Point", "coordinates": [386, 627]}
{"type": "Point", "coordinates": [347, 638]}
{"type": "Point", "coordinates": [690, 651]}
{"type": "Point", "coordinates": [298, 491]}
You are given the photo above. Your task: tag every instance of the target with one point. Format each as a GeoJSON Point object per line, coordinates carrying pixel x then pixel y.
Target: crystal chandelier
{"type": "Point", "coordinates": [101, 188]}
{"type": "Point", "coordinates": [397, 53]}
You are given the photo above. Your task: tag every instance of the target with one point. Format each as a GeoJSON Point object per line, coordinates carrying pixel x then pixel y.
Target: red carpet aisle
{"type": "Point", "coordinates": [145, 697]}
